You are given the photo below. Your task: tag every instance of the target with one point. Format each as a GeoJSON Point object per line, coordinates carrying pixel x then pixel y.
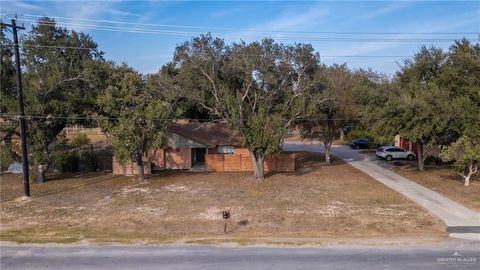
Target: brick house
{"type": "Point", "coordinates": [406, 144]}
{"type": "Point", "coordinates": [204, 147]}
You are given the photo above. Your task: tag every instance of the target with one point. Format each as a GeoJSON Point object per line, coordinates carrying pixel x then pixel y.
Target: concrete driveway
{"type": "Point", "coordinates": [461, 221]}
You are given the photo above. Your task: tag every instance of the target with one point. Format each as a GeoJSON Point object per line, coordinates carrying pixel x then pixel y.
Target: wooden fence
{"type": "Point", "coordinates": [243, 163]}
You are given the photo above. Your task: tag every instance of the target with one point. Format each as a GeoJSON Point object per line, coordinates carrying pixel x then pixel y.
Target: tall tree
{"type": "Point", "coordinates": [330, 107]}
{"type": "Point", "coordinates": [134, 116]}
{"type": "Point", "coordinates": [435, 98]}
{"type": "Point", "coordinates": [415, 107]}
{"type": "Point", "coordinates": [461, 78]}
{"type": "Point", "coordinates": [8, 125]}
{"type": "Point", "coordinates": [254, 87]}
{"type": "Point", "coordinates": [56, 62]}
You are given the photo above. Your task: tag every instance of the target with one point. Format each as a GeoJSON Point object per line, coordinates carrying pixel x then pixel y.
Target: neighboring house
{"type": "Point", "coordinates": [429, 150]}
{"type": "Point", "coordinates": [204, 147]}
{"type": "Point", "coordinates": [406, 144]}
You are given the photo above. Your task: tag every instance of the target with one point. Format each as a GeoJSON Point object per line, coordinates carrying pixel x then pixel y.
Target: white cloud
{"type": "Point", "coordinates": [19, 6]}
{"type": "Point", "coordinates": [389, 8]}
{"type": "Point", "coordinates": [304, 19]}
{"type": "Point", "coordinates": [121, 12]}
{"type": "Point", "coordinates": [295, 20]}
{"type": "Point", "coordinates": [367, 48]}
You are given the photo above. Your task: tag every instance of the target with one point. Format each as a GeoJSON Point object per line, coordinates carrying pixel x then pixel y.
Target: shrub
{"type": "Point", "coordinates": [465, 154]}
{"type": "Point", "coordinates": [89, 160]}
{"type": "Point", "coordinates": [6, 157]}
{"type": "Point", "coordinates": [357, 133]}
{"type": "Point", "coordinates": [433, 160]}
{"type": "Point", "coordinates": [80, 139]}
{"type": "Point", "coordinates": [65, 161]}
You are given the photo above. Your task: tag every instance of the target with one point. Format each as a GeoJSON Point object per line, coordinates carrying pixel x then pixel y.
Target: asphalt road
{"type": "Point", "coordinates": [251, 258]}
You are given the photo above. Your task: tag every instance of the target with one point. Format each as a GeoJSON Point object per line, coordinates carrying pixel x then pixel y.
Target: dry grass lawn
{"type": "Point", "coordinates": [316, 205]}
{"type": "Point", "coordinates": [445, 182]}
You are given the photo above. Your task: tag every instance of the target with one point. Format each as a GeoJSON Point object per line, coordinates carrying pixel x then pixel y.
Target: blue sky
{"type": "Point", "coordinates": [146, 48]}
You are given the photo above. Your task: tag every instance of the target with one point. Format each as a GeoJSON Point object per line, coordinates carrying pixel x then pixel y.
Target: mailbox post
{"type": "Point", "coordinates": [226, 217]}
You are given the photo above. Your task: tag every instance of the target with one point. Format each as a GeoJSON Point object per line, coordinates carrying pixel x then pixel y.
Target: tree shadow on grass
{"type": "Point", "coordinates": [238, 225]}
{"type": "Point", "coordinates": [72, 187]}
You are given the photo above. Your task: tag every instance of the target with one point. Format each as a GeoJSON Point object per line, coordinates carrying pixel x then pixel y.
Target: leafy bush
{"type": "Point", "coordinates": [6, 157]}
{"type": "Point", "coordinates": [65, 161]}
{"type": "Point", "coordinates": [357, 133]}
{"type": "Point", "coordinates": [432, 160]}
{"type": "Point", "coordinates": [80, 139]}
{"type": "Point", "coordinates": [89, 160]}
{"type": "Point", "coordinates": [465, 154]}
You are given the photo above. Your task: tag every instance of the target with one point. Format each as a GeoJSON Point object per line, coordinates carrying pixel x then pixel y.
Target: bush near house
{"type": "Point", "coordinates": [6, 156]}
{"type": "Point", "coordinates": [360, 133]}
{"type": "Point", "coordinates": [74, 161]}
{"type": "Point", "coordinates": [80, 139]}
{"type": "Point", "coordinates": [65, 161]}
{"type": "Point", "coordinates": [89, 161]}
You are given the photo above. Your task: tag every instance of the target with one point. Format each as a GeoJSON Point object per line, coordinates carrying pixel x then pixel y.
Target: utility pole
{"type": "Point", "coordinates": [21, 112]}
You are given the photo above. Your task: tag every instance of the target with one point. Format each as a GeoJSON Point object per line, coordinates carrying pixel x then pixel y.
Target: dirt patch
{"type": "Point", "coordinates": [318, 204]}
{"type": "Point", "coordinates": [445, 182]}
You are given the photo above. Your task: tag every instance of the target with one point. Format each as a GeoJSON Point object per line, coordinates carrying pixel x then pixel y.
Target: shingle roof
{"type": "Point", "coordinates": [210, 134]}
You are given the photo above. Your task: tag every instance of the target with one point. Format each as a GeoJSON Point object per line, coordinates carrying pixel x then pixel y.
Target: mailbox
{"type": "Point", "coordinates": [226, 214]}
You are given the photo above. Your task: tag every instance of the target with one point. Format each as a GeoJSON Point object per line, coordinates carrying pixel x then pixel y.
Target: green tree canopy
{"type": "Point", "coordinates": [134, 116]}
{"type": "Point", "coordinates": [330, 106]}
{"type": "Point", "coordinates": [58, 85]}
{"type": "Point", "coordinates": [7, 87]}
{"type": "Point", "coordinates": [255, 87]}
{"type": "Point", "coordinates": [465, 153]}
{"type": "Point", "coordinates": [433, 99]}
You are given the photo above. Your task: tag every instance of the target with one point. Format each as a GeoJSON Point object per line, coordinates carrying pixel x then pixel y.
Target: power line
{"type": "Point", "coordinates": [254, 30]}
{"type": "Point", "coordinates": [236, 54]}
{"type": "Point", "coordinates": [290, 38]}
{"type": "Point", "coordinates": [52, 46]}
{"type": "Point", "coordinates": [206, 119]}
{"type": "Point", "coordinates": [95, 48]}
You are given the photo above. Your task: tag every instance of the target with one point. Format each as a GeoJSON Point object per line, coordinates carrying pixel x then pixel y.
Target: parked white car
{"type": "Point", "coordinates": [392, 152]}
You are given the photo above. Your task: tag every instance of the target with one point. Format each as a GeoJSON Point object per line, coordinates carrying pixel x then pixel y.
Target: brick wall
{"type": "Point", "coordinates": [161, 159]}
{"type": "Point", "coordinates": [130, 168]}
{"type": "Point", "coordinates": [241, 151]}
{"type": "Point", "coordinates": [247, 165]}
{"type": "Point", "coordinates": [178, 158]}
{"type": "Point", "coordinates": [237, 163]}
{"type": "Point", "coordinates": [214, 163]}
{"type": "Point", "coordinates": [232, 163]}
{"type": "Point", "coordinates": [285, 163]}
{"type": "Point", "coordinates": [158, 158]}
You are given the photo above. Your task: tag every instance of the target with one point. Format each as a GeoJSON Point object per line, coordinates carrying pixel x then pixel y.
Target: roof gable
{"type": "Point", "coordinates": [209, 134]}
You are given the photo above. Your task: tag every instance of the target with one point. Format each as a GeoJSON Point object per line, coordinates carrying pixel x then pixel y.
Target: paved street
{"type": "Point", "coordinates": [206, 257]}
{"type": "Point", "coordinates": [462, 222]}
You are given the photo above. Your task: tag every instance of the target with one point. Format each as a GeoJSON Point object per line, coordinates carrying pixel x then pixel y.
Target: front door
{"type": "Point", "coordinates": [198, 155]}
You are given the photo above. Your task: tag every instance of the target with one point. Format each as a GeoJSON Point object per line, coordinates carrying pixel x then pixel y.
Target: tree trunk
{"type": "Point", "coordinates": [471, 171]}
{"type": "Point", "coordinates": [40, 170]}
{"type": "Point", "coordinates": [139, 161]}
{"type": "Point", "coordinates": [40, 173]}
{"type": "Point", "coordinates": [258, 171]}
{"type": "Point", "coordinates": [420, 157]}
{"type": "Point", "coordinates": [467, 179]}
{"type": "Point", "coordinates": [328, 146]}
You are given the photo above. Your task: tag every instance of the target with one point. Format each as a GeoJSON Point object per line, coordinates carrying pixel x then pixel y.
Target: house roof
{"type": "Point", "coordinates": [210, 134]}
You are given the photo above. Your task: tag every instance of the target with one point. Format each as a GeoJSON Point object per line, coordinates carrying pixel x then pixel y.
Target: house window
{"type": "Point", "coordinates": [225, 150]}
